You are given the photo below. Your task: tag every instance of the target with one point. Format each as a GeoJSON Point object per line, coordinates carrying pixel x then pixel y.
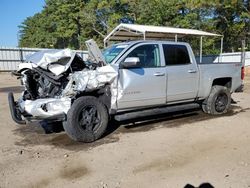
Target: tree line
{"type": "Point", "coordinates": [68, 23]}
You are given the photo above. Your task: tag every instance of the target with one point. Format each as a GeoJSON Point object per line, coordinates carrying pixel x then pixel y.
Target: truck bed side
{"type": "Point", "coordinates": [228, 74]}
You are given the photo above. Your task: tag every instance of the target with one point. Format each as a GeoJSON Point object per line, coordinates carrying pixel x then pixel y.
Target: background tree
{"type": "Point", "coordinates": [68, 23]}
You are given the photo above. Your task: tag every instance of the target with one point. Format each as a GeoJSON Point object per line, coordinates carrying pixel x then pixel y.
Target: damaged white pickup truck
{"type": "Point", "coordinates": [60, 86]}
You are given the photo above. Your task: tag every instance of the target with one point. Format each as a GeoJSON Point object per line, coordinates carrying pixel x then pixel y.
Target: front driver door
{"type": "Point", "coordinates": [146, 85]}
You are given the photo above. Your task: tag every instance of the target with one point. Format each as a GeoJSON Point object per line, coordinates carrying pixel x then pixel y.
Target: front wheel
{"type": "Point", "coordinates": [87, 119]}
{"type": "Point", "coordinates": [218, 102]}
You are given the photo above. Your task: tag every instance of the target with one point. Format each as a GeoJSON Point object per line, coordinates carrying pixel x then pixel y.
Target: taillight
{"type": "Point", "coordinates": [242, 73]}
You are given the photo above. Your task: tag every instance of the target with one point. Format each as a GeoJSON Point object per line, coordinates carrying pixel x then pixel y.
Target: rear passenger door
{"type": "Point", "coordinates": [182, 73]}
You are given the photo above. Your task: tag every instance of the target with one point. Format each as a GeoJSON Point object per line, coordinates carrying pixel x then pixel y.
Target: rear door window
{"type": "Point", "coordinates": [176, 54]}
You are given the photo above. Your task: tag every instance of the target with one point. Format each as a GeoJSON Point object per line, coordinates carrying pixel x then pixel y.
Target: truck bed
{"type": "Point", "coordinates": [211, 71]}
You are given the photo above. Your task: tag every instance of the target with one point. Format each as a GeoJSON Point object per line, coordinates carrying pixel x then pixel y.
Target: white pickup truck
{"type": "Point", "coordinates": [130, 76]}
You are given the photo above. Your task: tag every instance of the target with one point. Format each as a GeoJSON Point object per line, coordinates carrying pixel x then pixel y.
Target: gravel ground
{"type": "Point", "coordinates": [172, 150]}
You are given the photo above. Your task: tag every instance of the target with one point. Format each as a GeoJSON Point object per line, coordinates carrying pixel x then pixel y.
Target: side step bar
{"type": "Point", "coordinates": [156, 111]}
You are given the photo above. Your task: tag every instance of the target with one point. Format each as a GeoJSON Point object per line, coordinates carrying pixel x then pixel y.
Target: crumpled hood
{"type": "Point", "coordinates": [57, 61]}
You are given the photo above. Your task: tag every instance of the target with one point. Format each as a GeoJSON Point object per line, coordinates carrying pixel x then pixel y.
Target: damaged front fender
{"type": "Point", "coordinates": [90, 80]}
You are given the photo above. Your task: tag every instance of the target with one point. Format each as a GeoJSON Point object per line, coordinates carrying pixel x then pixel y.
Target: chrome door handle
{"type": "Point", "coordinates": [159, 74]}
{"type": "Point", "coordinates": [192, 71]}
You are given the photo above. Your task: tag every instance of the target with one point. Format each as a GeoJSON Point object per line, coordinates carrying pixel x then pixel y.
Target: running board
{"type": "Point", "coordinates": [156, 111]}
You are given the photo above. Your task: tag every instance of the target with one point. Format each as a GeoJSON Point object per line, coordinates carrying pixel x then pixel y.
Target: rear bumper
{"type": "Point", "coordinates": [14, 111]}
{"type": "Point", "coordinates": [240, 89]}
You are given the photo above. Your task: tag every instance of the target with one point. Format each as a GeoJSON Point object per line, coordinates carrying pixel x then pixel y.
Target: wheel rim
{"type": "Point", "coordinates": [89, 118]}
{"type": "Point", "coordinates": [221, 102]}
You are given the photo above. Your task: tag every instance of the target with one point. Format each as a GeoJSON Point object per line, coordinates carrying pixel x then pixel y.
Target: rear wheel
{"type": "Point", "coordinates": [218, 102]}
{"type": "Point", "coordinates": [87, 119]}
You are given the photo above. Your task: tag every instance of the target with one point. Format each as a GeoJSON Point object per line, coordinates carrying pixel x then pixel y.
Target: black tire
{"type": "Point", "coordinates": [218, 102]}
{"type": "Point", "coordinates": [87, 119]}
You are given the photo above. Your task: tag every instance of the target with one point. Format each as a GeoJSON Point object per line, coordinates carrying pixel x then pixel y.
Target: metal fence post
{"type": "Point", "coordinates": [21, 55]}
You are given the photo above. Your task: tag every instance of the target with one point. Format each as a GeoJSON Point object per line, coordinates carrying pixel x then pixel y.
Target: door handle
{"type": "Point", "coordinates": [192, 71]}
{"type": "Point", "coordinates": [159, 74]}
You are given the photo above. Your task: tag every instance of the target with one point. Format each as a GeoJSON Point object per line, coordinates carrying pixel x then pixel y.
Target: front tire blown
{"type": "Point", "coordinates": [87, 119]}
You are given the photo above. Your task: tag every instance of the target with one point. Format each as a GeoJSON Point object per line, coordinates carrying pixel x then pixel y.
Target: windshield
{"type": "Point", "coordinates": [112, 52]}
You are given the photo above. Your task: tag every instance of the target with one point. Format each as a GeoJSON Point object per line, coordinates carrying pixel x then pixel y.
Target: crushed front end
{"type": "Point", "coordinates": [52, 80]}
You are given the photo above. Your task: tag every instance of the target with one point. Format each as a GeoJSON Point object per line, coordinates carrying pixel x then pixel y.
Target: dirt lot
{"type": "Point", "coordinates": [170, 151]}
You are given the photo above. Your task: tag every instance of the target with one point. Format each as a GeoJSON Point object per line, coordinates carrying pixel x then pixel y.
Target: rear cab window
{"type": "Point", "coordinates": [176, 54]}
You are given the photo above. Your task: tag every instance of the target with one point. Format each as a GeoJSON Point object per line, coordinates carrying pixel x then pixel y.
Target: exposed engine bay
{"type": "Point", "coordinates": [40, 83]}
{"type": "Point", "coordinates": [53, 79]}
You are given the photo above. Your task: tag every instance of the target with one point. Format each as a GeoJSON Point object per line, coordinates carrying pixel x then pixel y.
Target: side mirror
{"type": "Point", "coordinates": [130, 62]}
